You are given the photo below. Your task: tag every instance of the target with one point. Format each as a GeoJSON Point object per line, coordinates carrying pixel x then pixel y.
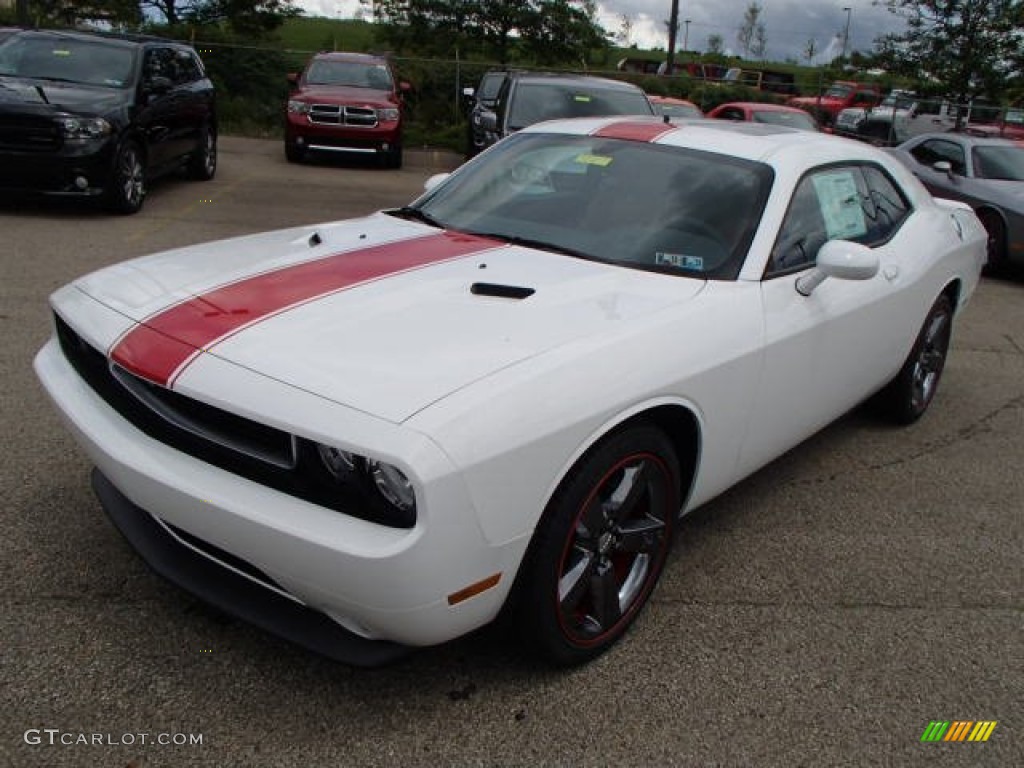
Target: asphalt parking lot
{"type": "Point", "coordinates": [821, 613]}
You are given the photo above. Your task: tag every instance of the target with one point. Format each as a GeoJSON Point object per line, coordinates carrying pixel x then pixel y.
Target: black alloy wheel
{"type": "Point", "coordinates": [600, 547]}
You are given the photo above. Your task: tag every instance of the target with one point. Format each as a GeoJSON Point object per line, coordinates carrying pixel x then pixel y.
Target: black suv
{"type": "Point", "coordinates": [525, 98]}
{"type": "Point", "coordinates": [96, 116]}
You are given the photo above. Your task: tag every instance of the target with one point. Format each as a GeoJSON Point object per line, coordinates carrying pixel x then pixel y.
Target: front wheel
{"type": "Point", "coordinates": [909, 394]}
{"type": "Point", "coordinates": [600, 547]}
{"type": "Point", "coordinates": [996, 246]}
{"type": "Point", "coordinates": [127, 189]}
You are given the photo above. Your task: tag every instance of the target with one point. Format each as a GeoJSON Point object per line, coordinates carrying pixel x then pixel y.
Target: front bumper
{"type": "Point", "coordinates": [383, 137]}
{"type": "Point", "coordinates": [180, 563]}
{"type": "Point", "coordinates": [380, 583]}
{"type": "Point", "coordinates": [75, 169]}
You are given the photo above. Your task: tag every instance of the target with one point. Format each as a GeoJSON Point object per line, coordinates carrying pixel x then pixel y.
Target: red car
{"type": "Point", "coordinates": [758, 112]}
{"type": "Point", "coordinates": [348, 103]}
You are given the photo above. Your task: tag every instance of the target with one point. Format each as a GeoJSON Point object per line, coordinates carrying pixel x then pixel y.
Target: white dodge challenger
{"type": "Point", "coordinates": [383, 433]}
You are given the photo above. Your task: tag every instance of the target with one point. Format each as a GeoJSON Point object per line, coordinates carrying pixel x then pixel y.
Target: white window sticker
{"type": "Point", "coordinates": [840, 205]}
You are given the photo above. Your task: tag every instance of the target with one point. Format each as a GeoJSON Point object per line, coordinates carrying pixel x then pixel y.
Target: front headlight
{"type": "Point", "coordinates": [381, 485]}
{"type": "Point", "coordinates": [298, 107]}
{"type": "Point", "coordinates": [387, 114]}
{"type": "Point", "coordinates": [84, 128]}
{"type": "Point", "coordinates": [393, 485]}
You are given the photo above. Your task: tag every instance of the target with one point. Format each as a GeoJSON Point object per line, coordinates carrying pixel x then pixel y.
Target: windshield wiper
{"type": "Point", "coordinates": [538, 244]}
{"type": "Point", "coordinates": [415, 214]}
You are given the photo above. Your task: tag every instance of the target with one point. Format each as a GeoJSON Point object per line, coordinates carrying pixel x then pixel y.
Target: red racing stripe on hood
{"type": "Point", "coordinates": [161, 347]}
{"type": "Point", "coordinates": [635, 130]}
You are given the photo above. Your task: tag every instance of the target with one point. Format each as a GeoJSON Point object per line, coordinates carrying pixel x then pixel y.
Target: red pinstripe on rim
{"type": "Point", "coordinates": [635, 130]}
{"type": "Point", "coordinates": [161, 347]}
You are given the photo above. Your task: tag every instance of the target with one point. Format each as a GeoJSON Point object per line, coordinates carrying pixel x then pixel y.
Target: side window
{"type": "Point", "coordinates": [802, 233]}
{"type": "Point", "coordinates": [732, 114]}
{"type": "Point", "coordinates": [160, 63]}
{"type": "Point", "coordinates": [859, 203]}
{"type": "Point", "coordinates": [885, 207]}
{"type": "Point", "coordinates": [930, 152]}
{"type": "Point", "coordinates": [188, 70]}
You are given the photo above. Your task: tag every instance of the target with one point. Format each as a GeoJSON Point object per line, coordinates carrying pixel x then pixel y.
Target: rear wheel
{"type": "Point", "coordinates": [202, 165]}
{"type": "Point", "coordinates": [600, 547]}
{"type": "Point", "coordinates": [996, 246]}
{"type": "Point", "coordinates": [127, 189]}
{"type": "Point", "coordinates": [909, 394]}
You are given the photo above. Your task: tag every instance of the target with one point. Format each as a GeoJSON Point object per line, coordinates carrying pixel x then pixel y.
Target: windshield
{"type": "Point", "coordinates": [536, 102]}
{"type": "Point", "coordinates": [352, 73]}
{"type": "Point", "coordinates": [635, 204]}
{"type": "Point", "coordinates": [838, 92]}
{"type": "Point", "coordinates": [84, 62]}
{"type": "Point", "coordinates": [800, 120]}
{"type": "Point", "coordinates": [677, 110]}
{"type": "Point", "coordinates": [994, 162]}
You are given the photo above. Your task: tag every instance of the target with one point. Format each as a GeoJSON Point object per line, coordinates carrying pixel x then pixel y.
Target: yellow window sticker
{"type": "Point", "coordinates": [61, 52]}
{"type": "Point", "coordinates": [602, 161]}
{"type": "Point", "coordinates": [582, 97]}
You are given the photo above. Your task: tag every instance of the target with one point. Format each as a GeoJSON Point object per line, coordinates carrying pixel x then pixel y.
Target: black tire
{"type": "Point", "coordinates": [127, 189]}
{"type": "Point", "coordinates": [581, 585]}
{"type": "Point", "coordinates": [202, 165]}
{"type": "Point", "coordinates": [293, 152]}
{"type": "Point", "coordinates": [908, 396]}
{"type": "Point", "coordinates": [393, 157]}
{"type": "Point", "coordinates": [996, 246]}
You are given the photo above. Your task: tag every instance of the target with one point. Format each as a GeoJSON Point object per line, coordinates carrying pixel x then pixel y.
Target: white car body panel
{"type": "Point", "coordinates": [485, 403]}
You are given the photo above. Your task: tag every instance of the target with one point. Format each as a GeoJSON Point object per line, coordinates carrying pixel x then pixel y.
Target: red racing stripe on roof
{"type": "Point", "coordinates": [635, 130]}
{"type": "Point", "coordinates": [161, 347]}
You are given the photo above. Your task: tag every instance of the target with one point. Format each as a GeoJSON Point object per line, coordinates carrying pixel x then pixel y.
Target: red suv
{"type": "Point", "coordinates": [345, 102]}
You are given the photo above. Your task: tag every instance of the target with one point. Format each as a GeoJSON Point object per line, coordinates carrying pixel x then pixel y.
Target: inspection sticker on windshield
{"type": "Point", "coordinates": [600, 160]}
{"type": "Point", "coordinates": [581, 97]}
{"type": "Point", "coordinates": [60, 52]}
{"type": "Point", "coordinates": [678, 260]}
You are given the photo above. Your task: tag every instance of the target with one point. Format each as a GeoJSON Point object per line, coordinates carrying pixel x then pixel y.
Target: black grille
{"type": "Point", "coordinates": [29, 134]}
{"type": "Point", "coordinates": [244, 447]}
{"type": "Point", "coordinates": [210, 550]}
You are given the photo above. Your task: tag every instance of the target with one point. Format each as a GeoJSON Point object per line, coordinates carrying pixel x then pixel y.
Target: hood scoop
{"type": "Point", "coordinates": [499, 291]}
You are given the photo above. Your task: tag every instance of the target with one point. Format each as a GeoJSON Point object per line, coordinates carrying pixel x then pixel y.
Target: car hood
{"type": "Point", "coordinates": [19, 94]}
{"type": "Point", "coordinates": [344, 94]}
{"type": "Point", "coordinates": [381, 315]}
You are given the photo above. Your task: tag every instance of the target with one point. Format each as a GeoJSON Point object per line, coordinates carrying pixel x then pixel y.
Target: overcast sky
{"type": "Point", "coordinates": [789, 23]}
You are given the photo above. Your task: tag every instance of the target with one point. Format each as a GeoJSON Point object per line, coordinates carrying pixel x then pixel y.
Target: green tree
{"type": "Point", "coordinates": [971, 46]}
{"type": "Point", "coordinates": [751, 35]}
{"type": "Point", "coordinates": [69, 12]}
{"type": "Point", "coordinates": [549, 30]}
{"type": "Point", "coordinates": [248, 17]}
{"type": "Point", "coordinates": [716, 44]}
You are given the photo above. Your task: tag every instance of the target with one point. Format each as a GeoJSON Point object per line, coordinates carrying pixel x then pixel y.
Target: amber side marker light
{"type": "Point", "coordinates": [473, 589]}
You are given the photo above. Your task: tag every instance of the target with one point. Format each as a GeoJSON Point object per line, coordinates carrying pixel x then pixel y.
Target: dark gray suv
{"type": "Point", "coordinates": [525, 98]}
{"type": "Point", "coordinates": [97, 116]}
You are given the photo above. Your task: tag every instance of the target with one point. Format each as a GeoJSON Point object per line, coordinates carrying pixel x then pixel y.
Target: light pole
{"type": "Point", "coordinates": [686, 36]}
{"type": "Point", "coordinates": [846, 32]}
